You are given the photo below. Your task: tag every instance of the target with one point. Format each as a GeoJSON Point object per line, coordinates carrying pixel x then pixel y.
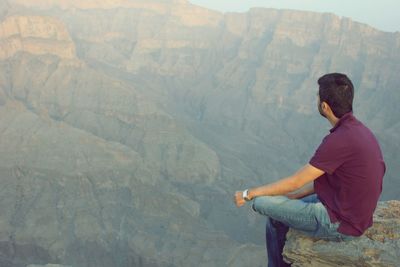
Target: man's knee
{"type": "Point", "coordinates": [259, 204]}
{"type": "Point", "coordinates": [265, 205]}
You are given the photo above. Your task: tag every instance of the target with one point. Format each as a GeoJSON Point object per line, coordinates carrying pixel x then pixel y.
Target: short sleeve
{"type": "Point", "coordinates": [330, 154]}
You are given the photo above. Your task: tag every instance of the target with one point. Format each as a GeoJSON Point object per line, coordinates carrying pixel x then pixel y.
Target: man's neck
{"type": "Point", "coordinates": [333, 120]}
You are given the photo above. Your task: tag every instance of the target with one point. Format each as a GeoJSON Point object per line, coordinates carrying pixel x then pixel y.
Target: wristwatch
{"type": "Point", "coordinates": [245, 195]}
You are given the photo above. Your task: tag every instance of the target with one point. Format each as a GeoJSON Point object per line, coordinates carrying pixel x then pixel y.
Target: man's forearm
{"type": "Point", "coordinates": [306, 175]}
{"type": "Point", "coordinates": [281, 187]}
{"type": "Point", "coordinates": [306, 190]}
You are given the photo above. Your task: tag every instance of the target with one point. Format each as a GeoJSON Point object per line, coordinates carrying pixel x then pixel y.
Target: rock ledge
{"type": "Point", "coordinates": [379, 246]}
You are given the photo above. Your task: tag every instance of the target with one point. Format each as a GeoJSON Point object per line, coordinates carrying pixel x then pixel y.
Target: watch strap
{"type": "Point", "coordinates": [245, 195]}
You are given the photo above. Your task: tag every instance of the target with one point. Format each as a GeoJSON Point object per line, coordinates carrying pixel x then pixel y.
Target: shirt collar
{"type": "Point", "coordinates": [342, 120]}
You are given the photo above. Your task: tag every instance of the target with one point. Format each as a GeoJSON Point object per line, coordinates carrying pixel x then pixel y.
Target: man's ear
{"type": "Point", "coordinates": [324, 106]}
{"type": "Point", "coordinates": [326, 109]}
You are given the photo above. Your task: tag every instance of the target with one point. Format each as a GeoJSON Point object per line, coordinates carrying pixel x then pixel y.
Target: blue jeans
{"type": "Point", "coordinates": [307, 215]}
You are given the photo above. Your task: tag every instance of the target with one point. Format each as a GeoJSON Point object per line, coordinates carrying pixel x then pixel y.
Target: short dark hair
{"type": "Point", "coordinates": [337, 90]}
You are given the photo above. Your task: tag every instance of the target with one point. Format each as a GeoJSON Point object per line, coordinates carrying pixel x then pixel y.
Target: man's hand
{"type": "Point", "coordinates": [239, 201]}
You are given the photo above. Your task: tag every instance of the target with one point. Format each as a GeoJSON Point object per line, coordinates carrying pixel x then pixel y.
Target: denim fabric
{"type": "Point", "coordinates": [307, 215]}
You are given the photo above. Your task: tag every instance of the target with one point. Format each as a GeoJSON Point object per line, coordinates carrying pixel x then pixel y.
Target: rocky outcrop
{"type": "Point", "coordinates": [379, 246]}
{"type": "Point", "coordinates": [37, 35]}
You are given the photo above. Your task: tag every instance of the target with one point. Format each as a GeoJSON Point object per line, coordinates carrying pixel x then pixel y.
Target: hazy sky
{"type": "Point", "coordinates": [381, 14]}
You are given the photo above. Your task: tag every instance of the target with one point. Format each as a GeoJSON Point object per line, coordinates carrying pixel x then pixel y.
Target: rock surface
{"type": "Point", "coordinates": [36, 35]}
{"type": "Point", "coordinates": [379, 246]}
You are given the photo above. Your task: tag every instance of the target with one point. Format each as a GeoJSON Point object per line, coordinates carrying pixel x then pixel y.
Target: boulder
{"type": "Point", "coordinates": [378, 246]}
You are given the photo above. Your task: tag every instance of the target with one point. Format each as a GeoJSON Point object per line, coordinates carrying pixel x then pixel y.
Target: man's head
{"type": "Point", "coordinates": [336, 90]}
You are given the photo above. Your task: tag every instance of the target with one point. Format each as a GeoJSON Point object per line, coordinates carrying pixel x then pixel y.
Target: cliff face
{"type": "Point", "coordinates": [125, 126]}
{"type": "Point", "coordinates": [35, 35]}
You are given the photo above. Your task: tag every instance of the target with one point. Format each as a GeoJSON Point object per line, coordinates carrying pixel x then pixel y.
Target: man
{"type": "Point", "coordinates": [333, 196]}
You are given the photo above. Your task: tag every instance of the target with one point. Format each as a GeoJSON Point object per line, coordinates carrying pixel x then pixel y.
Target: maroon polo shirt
{"type": "Point", "coordinates": [354, 168]}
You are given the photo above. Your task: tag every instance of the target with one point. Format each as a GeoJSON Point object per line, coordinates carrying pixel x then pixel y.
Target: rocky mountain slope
{"type": "Point", "coordinates": [125, 126]}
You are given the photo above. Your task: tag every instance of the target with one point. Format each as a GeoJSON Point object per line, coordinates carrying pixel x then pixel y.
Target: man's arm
{"type": "Point", "coordinates": [305, 175]}
{"type": "Point", "coordinates": [306, 190]}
